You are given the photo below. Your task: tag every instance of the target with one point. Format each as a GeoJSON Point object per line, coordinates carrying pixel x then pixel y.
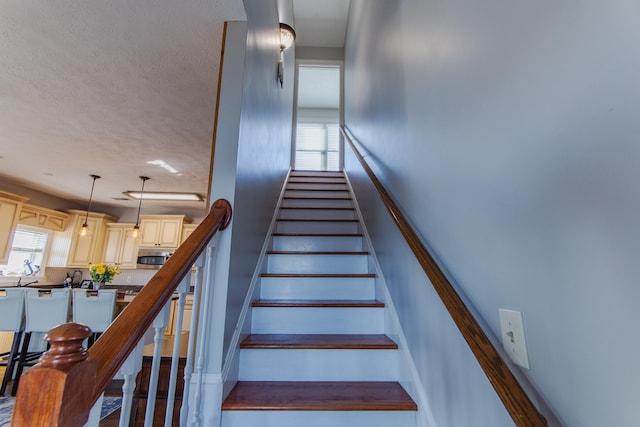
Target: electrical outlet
{"type": "Point", "coordinates": [513, 336]}
{"type": "Point", "coordinates": [128, 278]}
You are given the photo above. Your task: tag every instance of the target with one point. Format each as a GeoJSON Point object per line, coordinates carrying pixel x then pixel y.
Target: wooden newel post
{"type": "Point", "coordinates": [58, 390]}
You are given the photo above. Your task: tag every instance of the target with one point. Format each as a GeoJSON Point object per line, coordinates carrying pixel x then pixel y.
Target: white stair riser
{"type": "Point", "coordinates": [317, 214]}
{"type": "Point", "coordinates": [318, 203]}
{"type": "Point", "coordinates": [317, 365]}
{"type": "Point", "coordinates": [307, 174]}
{"type": "Point", "coordinates": [320, 227]}
{"type": "Point", "coordinates": [317, 180]}
{"type": "Point", "coordinates": [318, 194]}
{"type": "Point", "coordinates": [317, 264]}
{"type": "Point", "coordinates": [321, 186]}
{"type": "Point", "coordinates": [317, 244]}
{"type": "Point", "coordinates": [356, 288]}
{"type": "Point", "coordinates": [319, 418]}
{"type": "Point", "coordinates": [312, 320]}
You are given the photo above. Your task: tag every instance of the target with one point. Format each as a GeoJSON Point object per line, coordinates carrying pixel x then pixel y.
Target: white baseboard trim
{"type": "Point", "coordinates": [231, 363]}
{"type": "Point", "coordinates": [210, 414]}
{"type": "Point", "coordinates": [410, 379]}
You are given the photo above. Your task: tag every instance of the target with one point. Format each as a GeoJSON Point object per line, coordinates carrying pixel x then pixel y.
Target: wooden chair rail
{"type": "Point", "coordinates": [73, 377]}
{"type": "Point", "coordinates": [516, 401]}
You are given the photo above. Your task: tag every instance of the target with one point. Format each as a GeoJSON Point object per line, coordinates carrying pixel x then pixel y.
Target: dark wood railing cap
{"type": "Point", "coordinates": [223, 204]}
{"type": "Point", "coordinates": [66, 345]}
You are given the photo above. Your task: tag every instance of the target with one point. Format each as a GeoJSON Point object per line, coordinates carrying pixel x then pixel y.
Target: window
{"type": "Point", "coordinates": [317, 131]}
{"type": "Point", "coordinates": [27, 253]}
{"type": "Point", "coordinates": [317, 146]}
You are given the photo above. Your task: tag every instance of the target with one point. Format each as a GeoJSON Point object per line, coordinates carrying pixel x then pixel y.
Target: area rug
{"type": "Point", "coordinates": [109, 405]}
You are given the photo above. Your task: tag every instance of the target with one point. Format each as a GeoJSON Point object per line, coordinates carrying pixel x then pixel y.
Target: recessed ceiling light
{"type": "Point", "coordinates": [163, 165]}
{"type": "Point", "coordinates": [176, 197]}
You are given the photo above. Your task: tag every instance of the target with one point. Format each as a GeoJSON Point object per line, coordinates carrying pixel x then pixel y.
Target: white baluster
{"type": "Point", "coordinates": [94, 414]}
{"type": "Point", "coordinates": [188, 367]}
{"type": "Point", "coordinates": [203, 330]}
{"type": "Point", "coordinates": [129, 370]}
{"type": "Point", "coordinates": [159, 324]}
{"type": "Point", "coordinates": [175, 358]}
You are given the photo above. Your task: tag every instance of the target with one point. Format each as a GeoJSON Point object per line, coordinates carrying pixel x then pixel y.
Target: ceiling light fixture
{"type": "Point", "coordinates": [287, 37]}
{"type": "Point", "coordinates": [84, 230]}
{"type": "Point", "coordinates": [167, 196]}
{"type": "Point", "coordinates": [135, 233]}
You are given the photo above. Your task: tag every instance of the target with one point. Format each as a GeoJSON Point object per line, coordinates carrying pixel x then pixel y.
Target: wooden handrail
{"type": "Point", "coordinates": [516, 401]}
{"type": "Point", "coordinates": [109, 352]}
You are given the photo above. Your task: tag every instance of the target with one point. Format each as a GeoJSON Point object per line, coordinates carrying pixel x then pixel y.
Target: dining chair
{"type": "Point", "coordinates": [44, 309]}
{"type": "Point", "coordinates": [11, 320]}
{"type": "Point", "coordinates": [94, 309]}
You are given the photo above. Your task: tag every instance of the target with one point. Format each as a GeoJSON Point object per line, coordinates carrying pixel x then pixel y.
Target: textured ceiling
{"type": "Point", "coordinates": [91, 87]}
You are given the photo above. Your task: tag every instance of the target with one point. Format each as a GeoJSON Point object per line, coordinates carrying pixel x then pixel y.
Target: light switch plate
{"type": "Point", "coordinates": [512, 331]}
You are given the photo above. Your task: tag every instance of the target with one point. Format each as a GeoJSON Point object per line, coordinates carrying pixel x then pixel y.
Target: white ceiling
{"type": "Point", "coordinates": [320, 23]}
{"type": "Point", "coordinates": [104, 87]}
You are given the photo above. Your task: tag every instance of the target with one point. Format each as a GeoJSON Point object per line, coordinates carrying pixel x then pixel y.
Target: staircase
{"type": "Point", "coordinates": [318, 354]}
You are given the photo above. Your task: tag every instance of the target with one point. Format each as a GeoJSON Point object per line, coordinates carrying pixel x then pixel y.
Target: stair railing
{"type": "Point", "coordinates": [62, 388]}
{"type": "Point", "coordinates": [514, 398]}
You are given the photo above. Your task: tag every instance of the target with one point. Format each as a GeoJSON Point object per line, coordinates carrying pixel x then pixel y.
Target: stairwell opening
{"type": "Point", "coordinates": [316, 141]}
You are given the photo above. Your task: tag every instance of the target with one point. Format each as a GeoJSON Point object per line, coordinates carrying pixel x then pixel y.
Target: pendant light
{"type": "Point", "coordinates": [135, 233]}
{"type": "Point", "coordinates": [84, 230]}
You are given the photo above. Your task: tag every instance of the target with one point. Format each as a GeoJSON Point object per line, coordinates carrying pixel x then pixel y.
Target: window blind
{"type": "Point", "coordinates": [317, 146]}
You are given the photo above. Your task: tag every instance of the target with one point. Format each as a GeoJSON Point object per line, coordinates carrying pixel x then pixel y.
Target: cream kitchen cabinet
{"type": "Point", "coordinates": [173, 316]}
{"type": "Point", "coordinates": [68, 249]}
{"type": "Point", "coordinates": [10, 206]}
{"type": "Point", "coordinates": [120, 248]}
{"type": "Point", "coordinates": [162, 231]}
{"type": "Point", "coordinates": [187, 229]}
{"type": "Point", "coordinates": [37, 216]}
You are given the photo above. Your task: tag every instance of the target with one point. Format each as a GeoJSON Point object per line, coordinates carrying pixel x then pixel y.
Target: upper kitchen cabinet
{"type": "Point", "coordinates": [120, 247]}
{"type": "Point", "coordinates": [187, 229]}
{"type": "Point", "coordinates": [10, 206]}
{"type": "Point", "coordinates": [68, 249]}
{"type": "Point", "coordinates": [162, 231]}
{"type": "Point", "coordinates": [49, 219]}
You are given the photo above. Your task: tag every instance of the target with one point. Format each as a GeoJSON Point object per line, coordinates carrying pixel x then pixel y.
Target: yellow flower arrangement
{"type": "Point", "coordinates": [102, 272]}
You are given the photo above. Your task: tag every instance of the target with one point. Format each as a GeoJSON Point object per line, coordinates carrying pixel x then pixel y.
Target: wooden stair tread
{"type": "Point", "coordinates": [317, 303]}
{"type": "Point", "coordinates": [334, 275]}
{"type": "Point", "coordinates": [319, 341]}
{"type": "Point", "coordinates": [318, 234]}
{"type": "Point", "coordinates": [316, 220]}
{"type": "Point", "coordinates": [316, 208]}
{"type": "Point", "coordinates": [318, 396]}
{"type": "Point", "coordinates": [315, 198]}
{"type": "Point", "coordinates": [317, 189]}
{"type": "Point", "coordinates": [316, 253]}
{"type": "Point", "coordinates": [318, 181]}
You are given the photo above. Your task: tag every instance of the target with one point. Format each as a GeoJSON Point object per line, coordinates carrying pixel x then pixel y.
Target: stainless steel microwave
{"type": "Point", "coordinates": [152, 259]}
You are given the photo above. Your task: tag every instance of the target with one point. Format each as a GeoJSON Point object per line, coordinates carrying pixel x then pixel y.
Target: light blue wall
{"type": "Point", "coordinates": [251, 161]}
{"type": "Point", "coordinates": [509, 134]}
{"type": "Point", "coordinates": [264, 150]}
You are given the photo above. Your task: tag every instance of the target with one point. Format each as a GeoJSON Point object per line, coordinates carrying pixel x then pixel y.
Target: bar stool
{"type": "Point", "coordinates": [44, 309]}
{"type": "Point", "coordinates": [11, 320]}
{"type": "Point", "coordinates": [94, 308]}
